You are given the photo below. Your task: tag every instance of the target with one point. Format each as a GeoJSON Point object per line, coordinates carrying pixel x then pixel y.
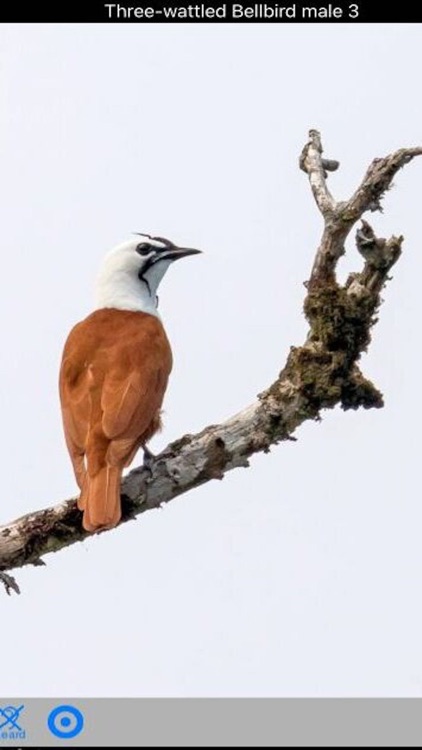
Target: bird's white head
{"type": "Point", "coordinates": [131, 272]}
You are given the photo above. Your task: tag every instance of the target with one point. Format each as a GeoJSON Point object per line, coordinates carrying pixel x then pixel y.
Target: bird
{"type": "Point", "coordinates": [114, 372]}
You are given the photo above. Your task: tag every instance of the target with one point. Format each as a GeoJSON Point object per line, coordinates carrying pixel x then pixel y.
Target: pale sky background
{"type": "Point", "coordinates": [302, 575]}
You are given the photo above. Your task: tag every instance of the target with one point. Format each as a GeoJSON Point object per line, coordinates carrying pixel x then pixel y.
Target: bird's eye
{"type": "Point", "coordinates": [143, 248]}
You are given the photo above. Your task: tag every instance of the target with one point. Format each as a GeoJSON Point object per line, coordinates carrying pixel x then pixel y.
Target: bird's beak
{"type": "Point", "coordinates": [175, 253]}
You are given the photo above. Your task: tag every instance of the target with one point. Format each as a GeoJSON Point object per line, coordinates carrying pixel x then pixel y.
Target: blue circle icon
{"type": "Point", "coordinates": [65, 722]}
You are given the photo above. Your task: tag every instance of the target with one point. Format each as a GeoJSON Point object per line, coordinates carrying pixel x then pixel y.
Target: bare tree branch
{"type": "Point", "coordinates": [377, 180]}
{"type": "Point", "coordinates": [339, 218]}
{"type": "Point", "coordinates": [311, 161]}
{"type": "Point", "coordinates": [9, 583]}
{"type": "Point", "coordinates": [320, 374]}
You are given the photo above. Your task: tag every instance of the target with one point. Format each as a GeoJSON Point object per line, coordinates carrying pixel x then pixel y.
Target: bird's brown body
{"type": "Point", "coordinates": [113, 377]}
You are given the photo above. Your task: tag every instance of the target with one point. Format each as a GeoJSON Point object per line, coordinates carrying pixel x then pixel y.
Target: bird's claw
{"type": "Point", "coordinates": [148, 461]}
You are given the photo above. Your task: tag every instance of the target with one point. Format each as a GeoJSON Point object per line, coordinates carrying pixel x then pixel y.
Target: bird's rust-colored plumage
{"type": "Point", "coordinates": [113, 377]}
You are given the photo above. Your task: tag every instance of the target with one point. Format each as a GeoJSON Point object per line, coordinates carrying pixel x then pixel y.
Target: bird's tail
{"type": "Point", "coordinates": [100, 499]}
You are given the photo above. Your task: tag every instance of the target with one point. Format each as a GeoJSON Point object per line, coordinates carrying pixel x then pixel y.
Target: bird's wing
{"type": "Point", "coordinates": [132, 396]}
{"type": "Point", "coordinates": [74, 393]}
{"type": "Point", "coordinates": [75, 401]}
